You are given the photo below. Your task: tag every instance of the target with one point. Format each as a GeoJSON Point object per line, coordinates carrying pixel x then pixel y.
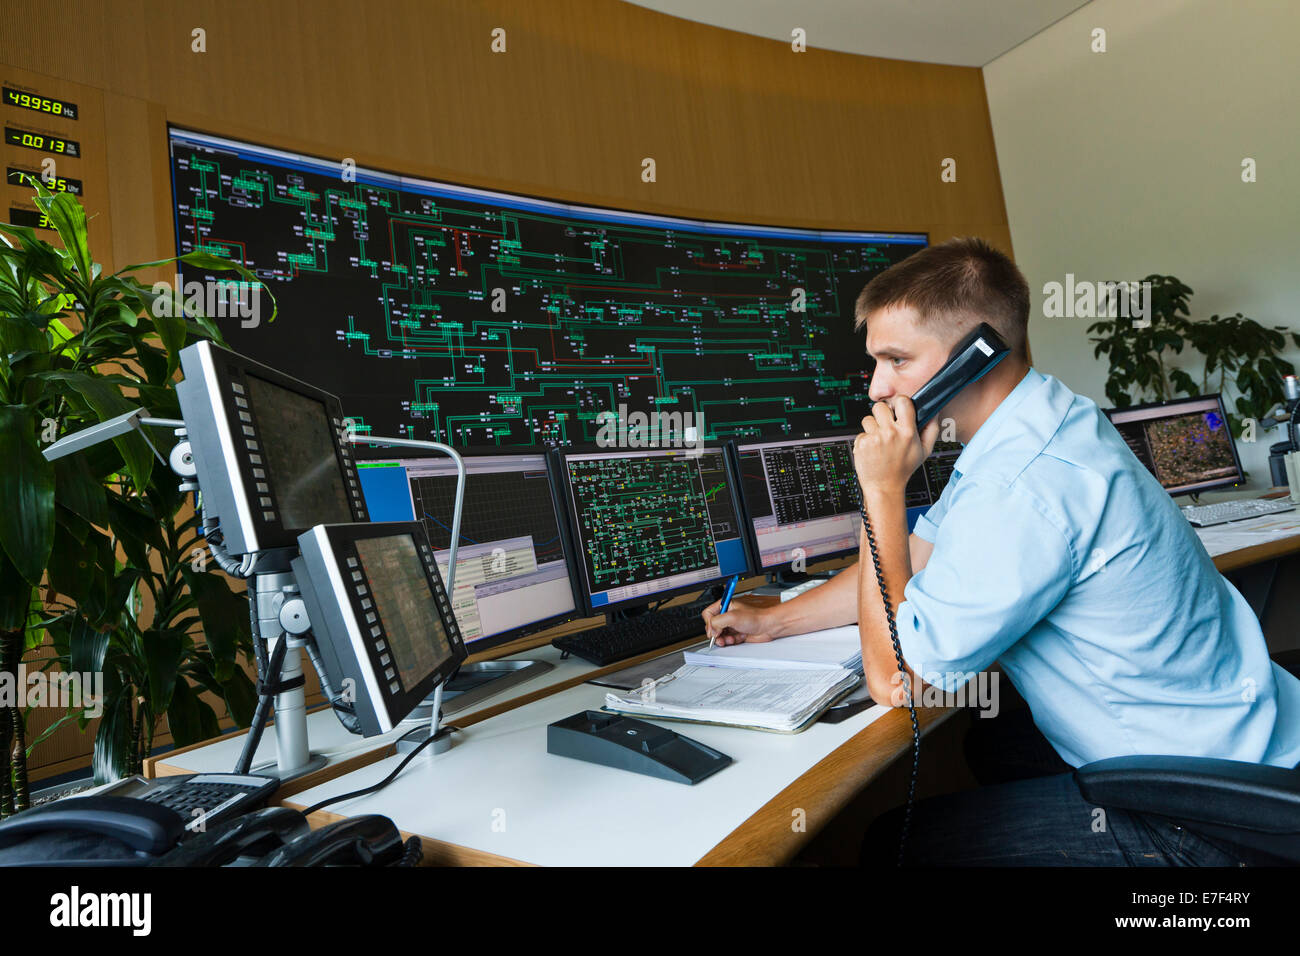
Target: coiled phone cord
{"type": "Point", "coordinates": [902, 669]}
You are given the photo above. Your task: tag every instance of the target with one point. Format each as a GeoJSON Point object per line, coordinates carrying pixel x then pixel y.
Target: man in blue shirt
{"type": "Point", "coordinates": [1052, 552]}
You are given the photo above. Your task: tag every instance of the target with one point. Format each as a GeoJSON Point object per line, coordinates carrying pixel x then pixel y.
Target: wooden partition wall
{"type": "Point", "coordinates": [740, 128]}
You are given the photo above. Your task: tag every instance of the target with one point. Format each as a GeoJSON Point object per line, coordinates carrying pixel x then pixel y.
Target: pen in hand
{"type": "Point", "coordinates": [726, 600]}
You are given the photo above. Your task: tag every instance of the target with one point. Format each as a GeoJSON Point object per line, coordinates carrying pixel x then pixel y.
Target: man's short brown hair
{"type": "Point", "coordinates": [955, 286]}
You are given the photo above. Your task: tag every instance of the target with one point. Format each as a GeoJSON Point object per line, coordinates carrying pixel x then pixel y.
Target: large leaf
{"type": "Point", "coordinates": [15, 596]}
{"type": "Point", "coordinates": [241, 697]}
{"type": "Point", "coordinates": [113, 743]}
{"type": "Point", "coordinates": [18, 333]}
{"type": "Point", "coordinates": [69, 220]}
{"type": "Point", "coordinates": [225, 618]}
{"type": "Point", "coordinates": [27, 493]}
{"type": "Point", "coordinates": [86, 647]}
{"type": "Point", "coordinates": [135, 528]}
{"type": "Point", "coordinates": [103, 397]}
{"type": "Point", "coordinates": [80, 491]}
{"type": "Point", "coordinates": [189, 718]}
{"type": "Point", "coordinates": [163, 652]}
{"type": "Point", "coordinates": [75, 566]}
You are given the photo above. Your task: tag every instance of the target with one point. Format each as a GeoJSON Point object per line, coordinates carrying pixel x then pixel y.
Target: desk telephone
{"type": "Point", "coordinates": [212, 819]}
{"type": "Point", "coordinates": [974, 356]}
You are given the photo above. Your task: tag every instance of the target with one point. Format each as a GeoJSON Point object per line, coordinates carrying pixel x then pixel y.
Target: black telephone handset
{"type": "Point", "coordinates": [280, 836]}
{"type": "Point", "coordinates": [973, 357]}
{"type": "Point", "coordinates": [111, 830]}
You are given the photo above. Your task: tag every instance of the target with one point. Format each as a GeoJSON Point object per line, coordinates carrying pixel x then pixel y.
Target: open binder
{"type": "Point", "coordinates": [782, 686]}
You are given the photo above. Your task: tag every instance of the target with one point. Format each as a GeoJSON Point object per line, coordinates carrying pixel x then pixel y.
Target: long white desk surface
{"type": "Point", "coordinates": [327, 736]}
{"type": "Point", "coordinates": [498, 791]}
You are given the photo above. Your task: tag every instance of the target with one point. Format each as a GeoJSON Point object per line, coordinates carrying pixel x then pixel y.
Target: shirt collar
{"type": "Point", "coordinates": [985, 437]}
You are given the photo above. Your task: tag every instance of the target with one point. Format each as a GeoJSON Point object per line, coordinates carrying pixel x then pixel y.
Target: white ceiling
{"type": "Point", "coordinates": [962, 32]}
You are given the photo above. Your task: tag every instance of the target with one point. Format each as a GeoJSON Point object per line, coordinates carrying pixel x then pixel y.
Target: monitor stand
{"type": "Point", "coordinates": [474, 683]}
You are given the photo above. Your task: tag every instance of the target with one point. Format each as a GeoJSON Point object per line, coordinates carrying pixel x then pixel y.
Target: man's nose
{"type": "Point", "coordinates": [881, 386]}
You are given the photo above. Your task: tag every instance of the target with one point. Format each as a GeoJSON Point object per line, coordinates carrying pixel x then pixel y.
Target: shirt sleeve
{"type": "Point", "coordinates": [999, 566]}
{"type": "Point", "coordinates": [927, 524]}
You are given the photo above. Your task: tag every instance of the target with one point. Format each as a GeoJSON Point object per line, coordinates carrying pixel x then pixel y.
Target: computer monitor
{"type": "Point", "coordinates": [1186, 443]}
{"type": "Point", "coordinates": [270, 452]}
{"type": "Point", "coordinates": [512, 573]}
{"type": "Point", "coordinates": [927, 482]}
{"type": "Point", "coordinates": [380, 616]}
{"type": "Point", "coordinates": [801, 495]}
{"type": "Point", "coordinates": [800, 498]}
{"type": "Point", "coordinates": [648, 524]}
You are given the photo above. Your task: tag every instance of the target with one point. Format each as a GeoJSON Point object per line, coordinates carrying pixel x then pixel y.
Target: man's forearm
{"type": "Point", "coordinates": [888, 516]}
{"type": "Point", "coordinates": [832, 604]}
{"type": "Point", "coordinates": [835, 603]}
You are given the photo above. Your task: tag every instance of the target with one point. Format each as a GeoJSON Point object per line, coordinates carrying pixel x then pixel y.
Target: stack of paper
{"type": "Point", "coordinates": [835, 647]}
{"type": "Point", "coordinates": [765, 698]}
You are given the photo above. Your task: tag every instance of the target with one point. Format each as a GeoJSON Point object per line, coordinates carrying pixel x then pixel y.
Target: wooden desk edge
{"type": "Point", "coordinates": [1256, 553]}
{"type": "Point", "coordinates": [769, 837]}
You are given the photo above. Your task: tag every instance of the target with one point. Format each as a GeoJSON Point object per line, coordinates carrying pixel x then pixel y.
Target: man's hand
{"type": "Point", "coordinates": [743, 623]}
{"type": "Point", "coordinates": [889, 449]}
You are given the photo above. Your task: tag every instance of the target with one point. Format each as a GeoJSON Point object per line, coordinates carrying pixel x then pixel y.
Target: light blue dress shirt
{"type": "Point", "coordinates": [1058, 555]}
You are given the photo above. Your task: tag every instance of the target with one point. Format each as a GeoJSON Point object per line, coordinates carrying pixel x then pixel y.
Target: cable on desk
{"type": "Point", "coordinates": [378, 786]}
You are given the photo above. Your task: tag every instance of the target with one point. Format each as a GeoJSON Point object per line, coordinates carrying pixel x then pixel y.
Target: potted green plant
{"type": "Point", "coordinates": [93, 554]}
{"type": "Point", "coordinates": [1238, 356]}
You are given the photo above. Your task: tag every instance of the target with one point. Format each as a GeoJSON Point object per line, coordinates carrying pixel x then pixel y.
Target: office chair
{"type": "Point", "coordinates": [1250, 805]}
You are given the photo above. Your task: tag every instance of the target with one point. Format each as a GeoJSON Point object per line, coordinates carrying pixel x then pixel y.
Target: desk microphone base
{"type": "Point", "coordinates": [441, 740]}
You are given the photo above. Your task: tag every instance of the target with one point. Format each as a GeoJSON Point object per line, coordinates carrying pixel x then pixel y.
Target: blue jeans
{"type": "Point", "coordinates": [1030, 813]}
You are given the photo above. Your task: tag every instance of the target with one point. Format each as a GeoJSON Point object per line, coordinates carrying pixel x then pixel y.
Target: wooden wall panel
{"type": "Point", "coordinates": [741, 128]}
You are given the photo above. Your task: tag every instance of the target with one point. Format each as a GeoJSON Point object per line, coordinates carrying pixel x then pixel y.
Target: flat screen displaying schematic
{"type": "Point", "coordinates": [270, 451]}
{"type": "Point", "coordinates": [483, 318]}
{"type": "Point", "coordinates": [1186, 443]}
{"type": "Point", "coordinates": [512, 577]}
{"type": "Point", "coordinates": [800, 498]}
{"type": "Point", "coordinates": [649, 524]}
{"type": "Point", "coordinates": [380, 616]}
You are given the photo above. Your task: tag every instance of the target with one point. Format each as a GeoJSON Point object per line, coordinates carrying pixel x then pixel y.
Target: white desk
{"type": "Point", "coordinates": [327, 736]}
{"type": "Point", "coordinates": [498, 792]}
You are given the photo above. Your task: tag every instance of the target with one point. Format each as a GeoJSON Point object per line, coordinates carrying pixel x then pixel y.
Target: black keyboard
{"type": "Point", "coordinates": [206, 799]}
{"type": "Point", "coordinates": [636, 635]}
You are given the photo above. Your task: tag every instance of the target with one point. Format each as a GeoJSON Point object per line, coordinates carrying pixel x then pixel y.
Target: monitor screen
{"type": "Point", "coordinates": [648, 523]}
{"type": "Point", "coordinates": [482, 318]}
{"type": "Point", "coordinates": [406, 607]}
{"type": "Point", "coordinates": [801, 498]}
{"type": "Point", "coordinates": [270, 452]}
{"type": "Point", "coordinates": [1185, 443]}
{"type": "Point", "coordinates": [511, 572]}
{"type": "Point", "coordinates": [301, 463]}
{"type": "Point", "coordinates": [927, 482]}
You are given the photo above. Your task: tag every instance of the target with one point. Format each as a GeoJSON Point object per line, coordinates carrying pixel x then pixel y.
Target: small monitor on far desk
{"type": "Point", "coordinates": [1186, 443]}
